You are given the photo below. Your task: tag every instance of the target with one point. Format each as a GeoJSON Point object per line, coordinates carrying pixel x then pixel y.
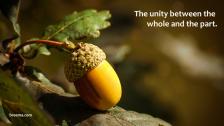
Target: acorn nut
{"type": "Point", "coordinates": [94, 78]}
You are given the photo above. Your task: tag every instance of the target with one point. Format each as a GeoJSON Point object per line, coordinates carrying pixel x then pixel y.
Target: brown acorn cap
{"type": "Point", "coordinates": [85, 57]}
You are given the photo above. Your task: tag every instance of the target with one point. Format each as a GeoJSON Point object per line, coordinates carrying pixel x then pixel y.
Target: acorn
{"type": "Point", "coordinates": [94, 78]}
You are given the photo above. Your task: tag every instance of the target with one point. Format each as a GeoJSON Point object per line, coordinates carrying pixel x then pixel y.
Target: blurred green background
{"type": "Point", "coordinates": [176, 74]}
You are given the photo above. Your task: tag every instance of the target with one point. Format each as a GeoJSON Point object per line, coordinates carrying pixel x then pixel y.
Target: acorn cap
{"type": "Point", "coordinates": [84, 58]}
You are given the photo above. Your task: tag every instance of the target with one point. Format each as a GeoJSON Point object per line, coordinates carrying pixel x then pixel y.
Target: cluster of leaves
{"type": "Point", "coordinates": [75, 27]}
{"type": "Point", "coordinates": [14, 94]}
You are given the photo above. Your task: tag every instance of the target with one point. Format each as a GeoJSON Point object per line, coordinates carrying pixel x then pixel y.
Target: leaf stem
{"type": "Point", "coordinates": [47, 42]}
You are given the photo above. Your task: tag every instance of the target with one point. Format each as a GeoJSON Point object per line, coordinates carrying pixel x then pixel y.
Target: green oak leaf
{"type": "Point", "coordinates": [79, 25]}
{"type": "Point", "coordinates": [16, 100]}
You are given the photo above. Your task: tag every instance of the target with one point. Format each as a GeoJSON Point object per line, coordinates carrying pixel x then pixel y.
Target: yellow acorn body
{"type": "Point", "coordinates": [94, 78]}
{"type": "Point", "coordinates": [100, 87]}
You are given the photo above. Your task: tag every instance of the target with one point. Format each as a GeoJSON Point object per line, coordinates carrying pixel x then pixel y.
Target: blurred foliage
{"type": "Point", "coordinates": [35, 74]}
{"type": "Point", "coordinates": [64, 123]}
{"type": "Point", "coordinates": [10, 9]}
{"type": "Point", "coordinates": [16, 100]}
{"type": "Point", "coordinates": [3, 117]}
